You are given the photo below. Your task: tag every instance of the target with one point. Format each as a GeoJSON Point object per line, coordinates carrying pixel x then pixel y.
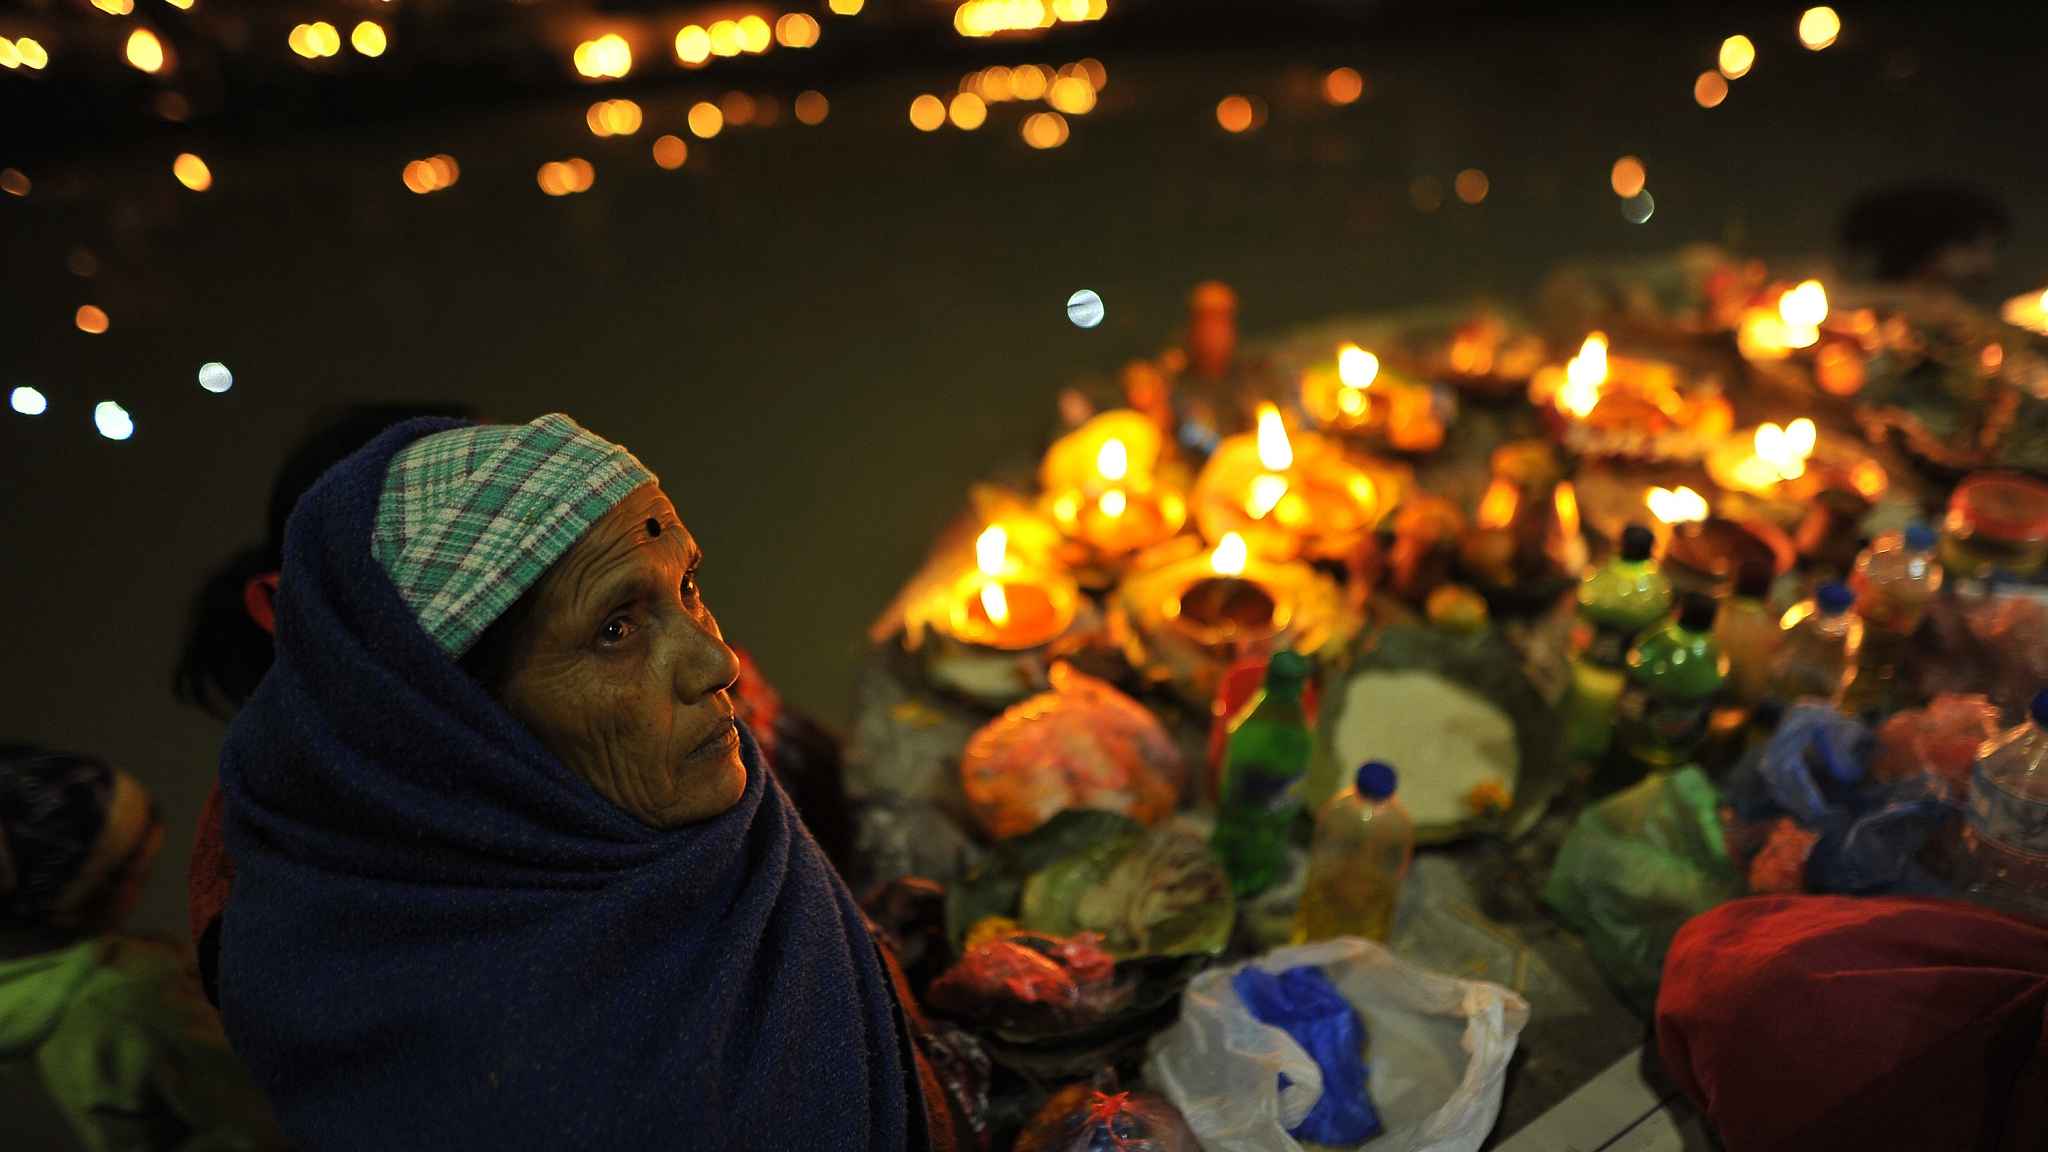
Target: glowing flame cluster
{"type": "Point", "coordinates": [1584, 376]}
{"type": "Point", "coordinates": [434, 174]}
{"type": "Point", "coordinates": [1679, 505]}
{"type": "Point", "coordinates": [566, 177]}
{"type": "Point", "coordinates": [27, 52]}
{"type": "Point", "coordinates": [1230, 555]}
{"type": "Point", "coordinates": [613, 118]}
{"type": "Point", "coordinates": [991, 549]}
{"type": "Point", "coordinates": [316, 40]}
{"type": "Point", "coordinates": [1786, 450]}
{"type": "Point", "coordinates": [1276, 456]}
{"type": "Point", "coordinates": [1356, 371]}
{"type": "Point", "coordinates": [608, 57]}
{"type": "Point", "coordinates": [1802, 308]}
{"type": "Point", "coordinates": [977, 18]}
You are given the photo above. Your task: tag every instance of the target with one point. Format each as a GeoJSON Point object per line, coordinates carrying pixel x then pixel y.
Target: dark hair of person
{"type": "Point", "coordinates": [225, 653]}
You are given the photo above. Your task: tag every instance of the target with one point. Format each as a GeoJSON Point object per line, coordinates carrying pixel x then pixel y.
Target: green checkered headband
{"type": "Point", "coordinates": [470, 518]}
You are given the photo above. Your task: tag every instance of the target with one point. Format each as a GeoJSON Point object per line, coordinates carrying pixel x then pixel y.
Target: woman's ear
{"type": "Point", "coordinates": [259, 599]}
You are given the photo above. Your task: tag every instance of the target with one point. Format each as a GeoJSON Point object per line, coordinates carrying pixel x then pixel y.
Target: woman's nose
{"type": "Point", "coordinates": [704, 665]}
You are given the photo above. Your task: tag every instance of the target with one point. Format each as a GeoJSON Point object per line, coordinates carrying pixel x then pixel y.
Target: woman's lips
{"type": "Point", "coordinates": [721, 740]}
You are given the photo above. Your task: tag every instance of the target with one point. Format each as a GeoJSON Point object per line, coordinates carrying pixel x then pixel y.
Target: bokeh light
{"type": "Point", "coordinates": [1098, 76]}
{"type": "Point", "coordinates": [812, 107]}
{"type": "Point", "coordinates": [316, 40]}
{"type": "Point", "coordinates": [368, 38]}
{"type": "Point", "coordinates": [112, 420]}
{"type": "Point", "coordinates": [82, 263]}
{"type": "Point", "coordinates": [1471, 185]}
{"type": "Point", "coordinates": [1042, 130]}
{"type": "Point", "coordinates": [1638, 208]}
{"type": "Point", "coordinates": [115, 7]}
{"type": "Point", "coordinates": [755, 35]}
{"type": "Point", "coordinates": [433, 174]}
{"type": "Point", "coordinates": [1084, 308]}
{"type": "Point", "coordinates": [725, 38]}
{"type": "Point", "coordinates": [670, 152]}
{"type": "Point", "coordinates": [1426, 194]}
{"type": "Point", "coordinates": [27, 52]}
{"type": "Point", "coordinates": [566, 177]}
{"type": "Point", "coordinates": [1234, 113]}
{"type": "Point", "coordinates": [28, 401]}
{"type": "Point", "coordinates": [1029, 82]}
{"type": "Point", "coordinates": [1627, 177]}
{"type": "Point", "coordinates": [1738, 55]}
{"type": "Point", "coordinates": [1818, 27]}
{"type": "Point", "coordinates": [966, 111]}
{"type": "Point", "coordinates": [847, 7]}
{"type": "Point", "coordinates": [796, 30]}
{"type": "Point", "coordinates": [215, 377]}
{"type": "Point", "coordinates": [613, 118]}
{"type": "Point", "coordinates": [693, 45]}
{"type": "Point", "coordinates": [192, 172]}
{"type": "Point", "coordinates": [91, 319]}
{"type": "Point", "coordinates": [1709, 90]}
{"type": "Point", "coordinates": [705, 120]}
{"type": "Point", "coordinates": [927, 112]}
{"type": "Point", "coordinates": [144, 50]}
{"type": "Point", "coordinates": [1072, 94]}
{"type": "Point", "coordinates": [14, 182]}
{"type": "Point", "coordinates": [738, 108]}
{"type": "Point", "coordinates": [173, 106]}
{"type": "Point", "coordinates": [1343, 86]}
{"type": "Point", "coordinates": [10, 56]}
{"type": "Point", "coordinates": [608, 57]}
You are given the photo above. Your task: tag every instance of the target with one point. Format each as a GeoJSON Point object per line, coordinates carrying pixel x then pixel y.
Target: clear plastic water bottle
{"type": "Point", "coordinates": [1822, 638]}
{"type": "Point", "coordinates": [1358, 860]}
{"type": "Point", "coordinates": [1895, 580]}
{"type": "Point", "coordinates": [2007, 831]}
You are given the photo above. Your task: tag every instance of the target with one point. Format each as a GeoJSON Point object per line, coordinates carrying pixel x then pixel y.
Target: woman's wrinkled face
{"type": "Point", "coordinates": [620, 670]}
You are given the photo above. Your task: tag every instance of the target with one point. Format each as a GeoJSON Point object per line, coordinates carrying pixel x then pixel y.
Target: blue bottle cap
{"type": "Point", "coordinates": [1377, 779]}
{"type": "Point", "coordinates": [2039, 710]}
{"type": "Point", "coordinates": [1834, 597]}
{"type": "Point", "coordinates": [1919, 536]}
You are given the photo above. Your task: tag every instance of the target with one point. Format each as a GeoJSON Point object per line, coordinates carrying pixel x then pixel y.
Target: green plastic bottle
{"type": "Point", "coordinates": [1674, 674]}
{"type": "Point", "coordinates": [1617, 603]}
{"type": "Point", "coordinates": [1265, 757]}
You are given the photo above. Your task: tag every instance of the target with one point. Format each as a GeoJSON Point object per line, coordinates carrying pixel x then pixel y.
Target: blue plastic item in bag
{"type": "Point", "coordinates": [1814, 762]}
{"type": "Point", "coordinates": [1304, 1004]}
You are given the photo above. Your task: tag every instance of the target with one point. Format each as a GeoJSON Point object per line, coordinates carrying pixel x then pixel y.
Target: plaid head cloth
{"type": "Point", "coordinates": [470, 518]}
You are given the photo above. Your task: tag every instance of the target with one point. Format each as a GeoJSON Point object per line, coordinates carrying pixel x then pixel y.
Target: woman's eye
{"type": "Point", "coordinates": [615, 630]}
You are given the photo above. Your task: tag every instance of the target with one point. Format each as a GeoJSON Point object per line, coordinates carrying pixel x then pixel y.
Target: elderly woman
{"type": "Point", "coordinates": [509, 872]}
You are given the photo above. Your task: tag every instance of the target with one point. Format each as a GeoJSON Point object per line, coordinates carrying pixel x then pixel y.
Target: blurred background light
{"type": "Point", "coordinates": [927, 112]}
{"type": "Point", "coordinates": [846, 7]}
{"type": "Point", "coordinates": [693, 45]}
{"type": "Point", "coordinates": [966, 111]}
{"type": "Point", "coordinates": [1638, 208]}
{"type": "Point", "coordinates": [91, 319]}
{"type": "Point", "coordinates": [1818, 27]}
{"type": "Point", "coordinates": [670, 152]}
{"type": "Point", "coordinates": [738, 108]}
{"type": "Point", "coordinates": [812, 107]}
{"type": "Point", "coordinates": [705, 120]}
{"type": "Point", "coordinates": [1234, 113]}
{"type": "Point", "coordinates": [1043, 130]}
{"type": "Point", "coordinates": [1738, 55]}
{"type": "Point", "coordinates": [1084, 308]}
{"type": "Point", "coordinates": [367, 38]}
{"type": "Point", "coordinates": [1709, 90]}
{"type": "Point", "coordinates": [192, 172]}
{"type": "Point", "coordinates": [755, 35]}
{"type": "Point", "coordinates": [1627, 177]}
{"type": "Point", "coordinates": [1471, 185]}
{"type": "Point", "coordinates": [112, 420]}
{"type": "Point", "coordinates": [796, 30]}
{"type": "Point", "coordinates": [608, 57]}
{"type": "Point", "coordinates": [725, 38]}
{"type": "Point", "coordinates": [14, 182]}
{"type": "Point", "coordinates": [144, 50]}
{"type": "Point", "coordinates": [1343, 86]}
{"type": "Point", "coordinates": [215, 377]}
{"type": "Point", "coordinates": [28, 401]}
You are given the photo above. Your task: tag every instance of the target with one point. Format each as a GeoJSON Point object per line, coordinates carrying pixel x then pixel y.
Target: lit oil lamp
{"type": "Point", "coordinates": [1775, 331]}
{"type": "Point", "coordinates": [2028, 310]}
{"type": "Point", "coordinates": [1791, 464]}
{"type": "Point", "coordinates": [1104, 487]}
{"type": "Point", "coordinates": [1191, 614]}
{"type": "Point", "coordinates": [1004, 605]}
{"type": "Point", "coordinates": [1361, 396]}
{"type": "Point", "coordinates": [1288, 494]}
{"type": "Point", "coordinates": [1704, 552]}
{"type": "Point", "coordinates": [1617, 405]}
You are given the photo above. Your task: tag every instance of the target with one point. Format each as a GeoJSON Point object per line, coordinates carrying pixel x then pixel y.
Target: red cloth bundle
{"type": "Point", "coordinates": [1815, 1022]}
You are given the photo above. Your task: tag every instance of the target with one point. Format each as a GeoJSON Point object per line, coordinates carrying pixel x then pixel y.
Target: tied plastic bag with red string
{"type": "Point", "coordinates": [1080, 1119]}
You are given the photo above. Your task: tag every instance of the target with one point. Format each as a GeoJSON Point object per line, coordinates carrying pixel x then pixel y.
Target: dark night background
{"type": "Point", "coordinates": [819, 336]}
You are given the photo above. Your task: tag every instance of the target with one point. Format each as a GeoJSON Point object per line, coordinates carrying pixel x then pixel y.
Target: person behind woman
{"type": "Point", "coordinates": [108, 1028]}
{"type": "Point", "coordinates": [228, 644]}
{"type": "Point", "coordinates": [510, 872]}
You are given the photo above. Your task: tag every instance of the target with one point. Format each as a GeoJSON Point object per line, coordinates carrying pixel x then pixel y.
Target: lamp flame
{"type": "Point", "coordinates": [1267, 490]}
{"type": "Point", "coordinates": [1114, 460]}
{"type": "Point", "coordinates": [1566, 500]}
{"type": "Point", "coordinates": [1584, 375]}
{"type": "Point", "coordinates": [1497, 507]}
{"type": "Point", "coordinates": [1785, 450]}
{"type": "Point", "coordinates": [1676, 506]}
{"type": "Point", "coordinates": [1230, 555]}
{"type": "Point", "coordinates": [1113, 503]}
{"type": "Point", "coordinates": [1804, 306]}
{"type": "Point", "coordinates": [990, 548]}
{"type": "Point", "coordinates": [1357, 367]}
{"type": "Point", "coordinates": [1274, 450]}
{"type": "Point", "coordinates": [995, 604]}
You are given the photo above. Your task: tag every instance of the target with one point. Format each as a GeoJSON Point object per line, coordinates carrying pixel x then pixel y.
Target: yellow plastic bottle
{"type": "Point", "coordinates": [1357, 861]}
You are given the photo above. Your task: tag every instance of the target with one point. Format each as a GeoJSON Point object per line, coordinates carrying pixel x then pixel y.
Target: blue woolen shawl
{"type": "Point", "coordinates": [441, 938]}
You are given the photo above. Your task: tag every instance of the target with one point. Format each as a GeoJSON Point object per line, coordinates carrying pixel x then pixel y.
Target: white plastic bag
{"type": "Point", "coordinates": [1438, 1048]}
